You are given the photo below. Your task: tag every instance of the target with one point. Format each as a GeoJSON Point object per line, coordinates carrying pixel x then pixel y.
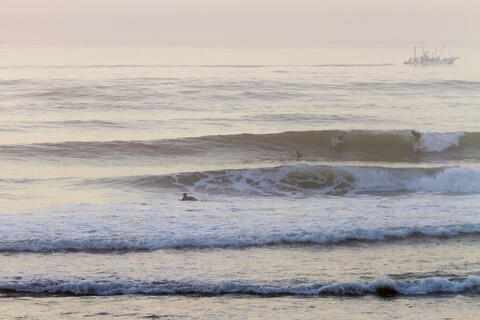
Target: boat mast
{"type": "Point", "coordinates": [441, 51]}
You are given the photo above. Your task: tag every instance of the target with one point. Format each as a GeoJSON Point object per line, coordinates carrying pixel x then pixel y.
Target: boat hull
{"type": "Point", "coordinates": [432, 62]}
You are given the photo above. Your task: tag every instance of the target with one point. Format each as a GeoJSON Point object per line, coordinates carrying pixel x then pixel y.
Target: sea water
{"type": "Point", "coordinates": [98, 142]}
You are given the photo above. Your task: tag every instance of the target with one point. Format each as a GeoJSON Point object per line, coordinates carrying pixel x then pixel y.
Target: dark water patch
{"type": "Point", "coordinates": [84, 124]}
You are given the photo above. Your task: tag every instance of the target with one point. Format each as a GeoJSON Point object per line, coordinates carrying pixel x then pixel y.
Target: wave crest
{"type": "Point", "coordinates": [383, 287]}
{"type": "Point", "coordinates": [305, 179]}
{"type": "Point", "coordinates": [160, 242]}
{"type": "Point", "coordinates": [438, 142]}
{"type": "Point", "coordinates": [334, 145]}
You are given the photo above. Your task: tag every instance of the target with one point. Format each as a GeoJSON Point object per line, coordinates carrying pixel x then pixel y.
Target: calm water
{"type": "Point", "coordinates": [98, 142]}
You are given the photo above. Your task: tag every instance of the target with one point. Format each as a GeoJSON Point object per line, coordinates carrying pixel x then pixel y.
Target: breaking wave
{"type": "Point", "coordinates": [305, 179]}
{"type": "Point", "coordinates": [383, 287]}
{"type": "Point", "coordinates": [437, 142]}
{"type": "Point", "coordinates": [355, 145]}
{"type": "Point", "coordinates": [236, 240]}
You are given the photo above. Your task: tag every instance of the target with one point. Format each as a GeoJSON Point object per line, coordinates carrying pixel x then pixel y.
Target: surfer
{"type": "Point", "coordinates": [416, 135]}
{"type": "Point", "coordinates": [186, 197]}
{"type": "Point", "coordinates": [339, 140]}
{"type": "Point", "coordinates": [299, 155]}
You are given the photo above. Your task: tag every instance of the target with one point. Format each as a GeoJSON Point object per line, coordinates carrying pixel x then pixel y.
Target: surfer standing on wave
{"type": "Point", "coordinates": [417, 136]}
{"type": "Point", "coordinates": [339, 140]}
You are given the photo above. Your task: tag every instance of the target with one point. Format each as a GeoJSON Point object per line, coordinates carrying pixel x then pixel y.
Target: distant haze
{"type": "Point", "coordinates": [232, 21]}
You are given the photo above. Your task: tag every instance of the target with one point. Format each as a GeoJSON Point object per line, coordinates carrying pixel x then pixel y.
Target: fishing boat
{"type": "Point", "coordinates": [427, 59]}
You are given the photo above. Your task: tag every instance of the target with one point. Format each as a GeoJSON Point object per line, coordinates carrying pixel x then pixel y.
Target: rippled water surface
{"type": "Point", "coordinates": [316, 198]}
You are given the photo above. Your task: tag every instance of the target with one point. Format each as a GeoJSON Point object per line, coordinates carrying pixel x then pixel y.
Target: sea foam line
{"type": "Point", "coordinates": [383, 287]}
{"type": "Point", "coordinates": [232, 241]}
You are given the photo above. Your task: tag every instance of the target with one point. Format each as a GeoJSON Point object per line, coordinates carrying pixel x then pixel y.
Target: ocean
{"type": "Point", "coordinates": [315, 198]}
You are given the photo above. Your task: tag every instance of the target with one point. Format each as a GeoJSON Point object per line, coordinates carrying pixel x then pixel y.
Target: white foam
{"type": "Point", "coordinates": [437, 142]}
{"type": "Point", "coordinates": [427, 286]}
{"type": "Point", "coordinates": [302, 178]}
{"type": "Point", "coordinates": [282, 180]}
{"type": "Point", "coordinates": [233, 239]}
{"type": "Point", "coordinates": [237, 222]}
{"type": "Point", "coordinates": [447, 179]}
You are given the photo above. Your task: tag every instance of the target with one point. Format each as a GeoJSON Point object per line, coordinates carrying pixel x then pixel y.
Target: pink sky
{"type": "Point", "coordinates": [231, 21]}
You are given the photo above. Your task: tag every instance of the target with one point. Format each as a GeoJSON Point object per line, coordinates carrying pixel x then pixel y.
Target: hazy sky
{"type": "Point", "coordinates": [256, 21]}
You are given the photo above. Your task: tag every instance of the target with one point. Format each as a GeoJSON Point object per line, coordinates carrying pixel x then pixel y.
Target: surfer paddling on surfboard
{"type": "Point", "coordinates": [186, 197]}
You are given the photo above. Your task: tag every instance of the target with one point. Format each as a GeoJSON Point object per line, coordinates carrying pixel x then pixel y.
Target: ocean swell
{"type": "Point", "coordinates": [355, 145]}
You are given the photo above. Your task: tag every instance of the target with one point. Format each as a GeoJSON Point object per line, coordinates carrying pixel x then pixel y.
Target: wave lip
{"type": "Point", "coordinates": [437, 142]}
{"type": "Point", "coordinates": [437, 180]}
{"type": "Point", "coordinates": [235, 241]}
{"type": "Point", "coordinates": [383, 287]}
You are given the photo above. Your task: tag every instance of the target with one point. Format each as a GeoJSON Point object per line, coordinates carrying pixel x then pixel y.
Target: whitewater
{"type": "Point", "coordinates": [316, 197]}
